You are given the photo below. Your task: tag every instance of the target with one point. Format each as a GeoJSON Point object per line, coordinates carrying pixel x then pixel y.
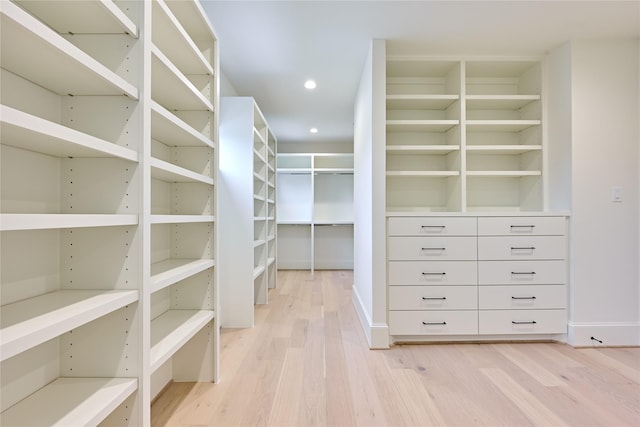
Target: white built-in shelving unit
{"type": "Point", "coordinates": [248, 209]}
{"type": "Point", "coordinates": [315, 210]}
{"type": "Point", "coordinates": [108, 190]}
{"type": "Point", "coordinates": [464, 135]}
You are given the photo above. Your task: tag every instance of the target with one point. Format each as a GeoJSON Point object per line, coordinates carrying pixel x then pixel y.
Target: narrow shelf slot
{"type": "Point", "coordinates": [422, 149]}
{"type": "Point", "coordinates": [500, 125]}
{"type": "Point", "coordinates": [30, 322]}
{"type": "Point", "coordinates": [171, 330]}
{"type": "Point", "coordinates": [420, 102]}
{"type": "Point", "coordinates": [503, 149]}
{"type": "Point", "coordinates": [421, 125]}
{"type": "Point", "coordinates": [168, 172]}
{"type": "Point", "coordinates": [11, 222]}
{"type": "Point", "coordinates": [71, 401]}
{"type": "Point", "coordinates": [501, 173]}
{"type": "Point", "coordinates": [23, 130]}
{"type": "Point", "coordinates": [84, 17]}
{"type": "Point", "coordinates": [170, 271]}
{"type": "Point", "coordinates": [51, 59]}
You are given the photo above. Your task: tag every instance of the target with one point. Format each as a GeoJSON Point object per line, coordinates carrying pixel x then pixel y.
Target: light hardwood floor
{"type": "Point", "coordinates": [306, 363]}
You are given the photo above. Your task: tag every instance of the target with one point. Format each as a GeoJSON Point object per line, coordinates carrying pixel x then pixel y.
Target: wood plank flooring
{"type": "Point", "coordinates": [306, 363]}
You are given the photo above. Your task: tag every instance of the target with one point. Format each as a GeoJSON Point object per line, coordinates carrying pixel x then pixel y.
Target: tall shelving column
{"type": "Point", "coordinates": [247, 210]}
{"type": "Point", "coordinates": [315, 202]}
{"type": "Point", "coordinates": [71, 120]}
{"type": "Point", "coordinates": [180, 218]}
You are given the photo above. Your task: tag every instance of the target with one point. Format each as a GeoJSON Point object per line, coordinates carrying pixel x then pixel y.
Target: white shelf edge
{"type": "Point", "coordinates": [171, 330]}
{"type": "Point", "coordinates": [503, 173]}
{"type": "Point", "coordinates": [23, 130]}
{"type": "Point", "coordinates": [295, 171]}
{"type": "Point", "coordinates": [197, 98]}
{"type": "Point", "coordinates": [119, 16]}
{"type": "Point", "coordinates": [531, 97]}
{"type": "Point", "coordinates": [168, 272]}
{"type": "Point", "coordinates": [183, 129]}
{"type": "Point", "coordinates": [181, 219]}
{"type": "Point", "coordinates": [15, 222]}
{"type": "Point", "coordinates": [294, 223]}
{"type": "Point", "coordinates": [169, 172]}
{"type": "Point", "coordinates": [257, 271]}
{"type": "Point", "coordinates": [258, 155]}
{"type": "Point", "coordinates": [503, 148]}
{"type": "Point", "coordinates": [270, 261]}
{"type": "Point", "coordinates": [259, 242]}
{"type": "Point", "coordinates": [181, 34]}
{"type": "Point", "coordinates": [60, 311]}
{"type": "Point", "coordinates": [336, 171]}
{"type": "Point", "coordinates": [436, 174]}
{"type": "Point", "coordinates": [259, 177]}
{"type": "Point", "coordinates": [71, 401]}
{"type": "Point", "coordinates": [332, 223]}
{"type": "Point", "coordinates": [422, 148]}
{"type": "Point", "coordinates": [65, 49]}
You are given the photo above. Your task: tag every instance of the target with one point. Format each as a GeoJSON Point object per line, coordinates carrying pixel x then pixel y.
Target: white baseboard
{"type": "Point", "coordinates": [377, 334]}
{"type": "Point", "coordinates": [613, 334]}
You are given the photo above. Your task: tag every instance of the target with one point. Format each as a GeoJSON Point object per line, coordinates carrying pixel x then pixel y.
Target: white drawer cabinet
{"type": "Point", "coordinates": [433, 298]}
{"type": "Point", "coordinates": [432, 226]}
{"type": "Point", "coordinates": [522, 297]}
{"type": "Point", "coordinates": [432, 273]}
{"type": "Point", "coordinates": [431, 322]}
{"type": "Point", "coordinates": [477, 276]}
{"type": "Point", "coordinates": [432, 248]}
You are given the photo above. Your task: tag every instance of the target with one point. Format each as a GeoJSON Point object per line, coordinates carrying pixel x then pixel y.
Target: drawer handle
{"type": "Point", "coordinates": [527, 322]}
{"type": "Point", "coordinates": [532, 297]}
{"type": "Point", "coordinates": [426, 273]}
{"type": "Point", "coordinates": [433, 249]}
{"type": "Point", "coordinates": [434, 323]}
{"type": "Point", "coordinates": [523, 272]}
{"type": "Point", "coordinates": [522, 248]}
{"type": "Point", "coordinates": [435, 298]}
{"type": "Point", "coordinates": [523, 226]}
{"type": "Point", "coordinates": [434, 226]}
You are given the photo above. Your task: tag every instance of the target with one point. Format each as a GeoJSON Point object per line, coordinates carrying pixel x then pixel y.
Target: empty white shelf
{"type": "Point", "coordinates": [503, 173]}
{"type": "Point", "coordinates": [181, 219]}
{"type": "Point", "coordinates": [169, 35]}
{"type": "Point", "coordinates": [500, 125]}
{"type": "Point", "coordinates": [47, 59]}
{"type": "Point", "coordinates": [31, 322]}
{"type": "Point", "coordinates": [335, 171]}
{"type": "Point", "coordinates": [82, 17]}
{"type": "Point", "coordinates": [423, 173]}
{"type": "Point", "coordinates": [420, 102]}
{"type": "Point", "coordinates": [422, 149]}
{"type": "Point", "coordinates": [171, 330]}
{"type": "Point", "coordinates": [9, 222]}
{"type": "Point", "coordinates": [70, 402]}
{"type": "Point", "coordinates": [169, 172]}
{"type": "Point", "coordinates": [420, 125]}
{"type": "Point", "coordinates": [168, 272]}
{"type": "Point", "coordinates": [32, 133]}
{"type": "Point", "coordinates": [171, 89]}
{"type": "Point", "coordinates": [502, 149]}
{"type": "Point", "coordinates": [167, 128]}
{"type": "Point", "coordinates": [499, 102]}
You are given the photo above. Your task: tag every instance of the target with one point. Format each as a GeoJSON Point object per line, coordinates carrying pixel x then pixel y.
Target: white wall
{"type": "Point", "coordinates": [319, 147]}
{"type": "Point", "coordinates": [226, 87]}
{"type": "Point", "coordinates": [369, 289]}
{"type": "Point", "coordinates": [605, 235]}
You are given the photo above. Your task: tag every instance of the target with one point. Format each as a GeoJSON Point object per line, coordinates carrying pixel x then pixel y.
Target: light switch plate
{"type": "Point", "coordinates": [616, 194]}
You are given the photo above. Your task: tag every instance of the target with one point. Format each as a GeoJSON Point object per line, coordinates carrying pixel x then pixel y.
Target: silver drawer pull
{"type": "Point", "coordinates": [522, 248]}
{"type": "Point", "coordinates": [532, 297]}
{"type": "Point", "coordinates": [435, 298]}
{"type": "Point", "coordinates": [434, 226]}
{"type": "Point", "coordinates": [527, 322]}
{"type": "Point", "coordinates": [433, 249]}
{"type": "Point", "coordinates": [523, 272]}
{"type": "Point", "coordinates": [434, 323]}
{"type": "Point", "coordinates": [425, 273]}
{"type": "Point", "coordinates": [523, 226]}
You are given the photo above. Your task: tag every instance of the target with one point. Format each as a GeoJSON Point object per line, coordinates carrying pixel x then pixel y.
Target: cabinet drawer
{"type": "Point", "coordinates": [433, 322]}
{"type": "Point", "coordinates": [431, 226]}
{"type": "Point", "coordinates": [498, 322]}
{"type": "Point", "coordinates": [522, 297]}
{"type": "Point", "coordinates": [433, 298]}
{"type": "Point", "coordinates": [525, 225]}
{"type": "Point", "coordinates": [522, 272]}
{"type": "Point", "coordinates": [521, 247]}
{"type": "Point", "coordinates": [432, 273]}
{"type": "Point", "coordinates": [432, 248]}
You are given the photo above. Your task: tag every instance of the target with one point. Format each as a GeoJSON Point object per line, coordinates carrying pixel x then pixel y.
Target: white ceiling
{"type": "Point", "coordinates": [269, 48]}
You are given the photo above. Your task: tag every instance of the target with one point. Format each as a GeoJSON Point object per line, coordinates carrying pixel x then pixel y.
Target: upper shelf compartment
{"type": "Point", "coordinates": [174, 41]}
{"type": "Point", "coordinates": [81, 17]}
{"type": "Point", "coordinates": [47, 59]}
{"type": "Point", "coordinates": [503, 77]}
{"type": "Point", "coordinates": [422, 77]}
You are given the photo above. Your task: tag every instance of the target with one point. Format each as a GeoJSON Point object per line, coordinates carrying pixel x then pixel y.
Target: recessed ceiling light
{"type": "Point", "coordinates": [310, 84]}
{"type": "Point", "coordinates": [313, 130]}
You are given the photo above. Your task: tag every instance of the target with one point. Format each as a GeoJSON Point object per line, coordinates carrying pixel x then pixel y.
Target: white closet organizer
{"type": "Point", "coordinates": [315, 205]}
{"type": "Point", "coordinates": [107, 210]}
{"type": "Point", "coordinates": [248, 209]}
{"type": "Point", "coordinates": [464, 135]}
